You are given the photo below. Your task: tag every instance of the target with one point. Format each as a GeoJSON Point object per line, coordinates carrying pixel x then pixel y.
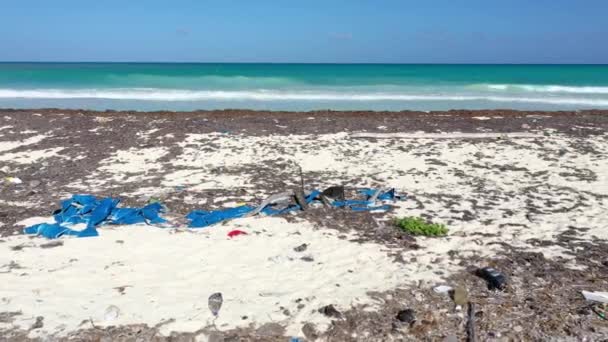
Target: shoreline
{"type": "Point", "coordinates": [258, 122]}
{"type": "Point", "coordinates": [533, 206]}
{"type": "Point", "coordinates": [328, 110]}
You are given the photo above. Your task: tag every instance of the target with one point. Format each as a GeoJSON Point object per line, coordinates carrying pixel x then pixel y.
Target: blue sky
{"type": "Point", "coordinates": [347, 31]}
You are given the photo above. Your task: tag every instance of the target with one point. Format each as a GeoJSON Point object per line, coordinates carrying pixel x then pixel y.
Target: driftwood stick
{"type": "Point", "coordinates": [471, 323]}
{"type": "Point", "coordinates": [301, 177]}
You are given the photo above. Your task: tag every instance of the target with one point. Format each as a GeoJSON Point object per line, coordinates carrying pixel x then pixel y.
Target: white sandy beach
{"type": "Point", "coordinates": [165, 275]}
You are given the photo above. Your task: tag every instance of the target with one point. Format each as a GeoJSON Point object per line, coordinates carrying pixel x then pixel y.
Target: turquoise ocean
{"type": "Point", "coordinates": [184, 86]}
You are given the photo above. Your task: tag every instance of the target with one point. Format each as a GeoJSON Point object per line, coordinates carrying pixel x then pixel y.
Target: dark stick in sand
{"type": "Point", "coordinates": [471, 323]}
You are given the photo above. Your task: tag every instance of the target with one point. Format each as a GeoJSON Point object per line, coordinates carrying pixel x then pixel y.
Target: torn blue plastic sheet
{"type": "Point", "coordinates": [148, 214]}
{"type": "Point", "coordinates": [101, 212]}
{"type": "Point", "coordinates": [270, 210]}
{"type": "Point", "coordinates": [368, 204]}
{"type": "Point", "coordinates": [55, 230]}
{"type": "Point", "coordinates": [88, 209]}
{"type": "Point", "coordinates": [75, 209]}
{"type": "Point", "coordinates": [203, 218]}
{"type": "Point", "coordinates": [358, 205]}
{"type": "Point", "coordinates": [388, 195]}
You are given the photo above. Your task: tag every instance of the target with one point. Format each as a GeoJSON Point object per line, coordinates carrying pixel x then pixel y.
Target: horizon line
{"type": "Point", "coordinates": [285, 63]}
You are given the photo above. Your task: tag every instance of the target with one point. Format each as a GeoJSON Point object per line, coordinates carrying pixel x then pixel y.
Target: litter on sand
{"type": "Point", "coordinates": [443, 289]}
{"type": "Point", "coordinates": [91, 212]}
{"type": "Point", "coordinates": [215, 303]}
{"type": "Point", "coordinates": [88, 210]}
{"type": "Point", "coordinates": [236, 232]}
{"type": "Point", "coordinates": [13, 180]}
{"type": "Point", "coordinates": [601, 297]}
{"type": "Point", "coordinates": [292, 200]}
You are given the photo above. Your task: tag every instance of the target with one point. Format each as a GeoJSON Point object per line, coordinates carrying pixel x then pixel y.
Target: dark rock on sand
{"type": "Point", "coordinates": [407, 316]}
{"type": "Point", "coordinates": [38, 324]}
{"type": "Point", "coordinates": [330, 311]}
{"type": "Point", "coordinates": [301, 248]}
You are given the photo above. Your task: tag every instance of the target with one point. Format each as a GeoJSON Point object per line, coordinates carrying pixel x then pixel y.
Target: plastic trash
{"type": "Point", "coordinates": [275, 205]}
{"type": "Point", "coordinates": [215, 303]}
{"type": "Point", "coordinates": [301, 248]}
{"type": "Point", "coordinates": [13, 180]}
{"type": "Point", "coordinates": [88, 210]}
{"type": "Point", "coordinates": [330, 311]}
{"type": "Point", "coordinates": [101, 211]}
{"type": "Point", "coordinates": [495, 279]}
{"type": "Point", "coordinates": [334, 192]}
{"type": "Point", "coordinates": [383, 195]}
{"type": "Point", "coordinates": [407, 316]}
{"type": "Point", "coordinates": [601, 297]}
{"type": "Point", "coordinates": [203, 218]}
{"type": "Point", "coordinates": [236, 232]}
{"type": "Point", "coordinates": [112, 312]}
{"type": "Point", "coordinates": [443, 289]}
{"type": "Point", "coordinates": [601, 310]}
{"type": "Point", "coordinates": [55, 230]}
{"type": "Point", "coordinates": [270, 208]}
{"type": "Point", "coordinates": [371, 201]}
{"type": "Point", "coordinates": [148, 214]}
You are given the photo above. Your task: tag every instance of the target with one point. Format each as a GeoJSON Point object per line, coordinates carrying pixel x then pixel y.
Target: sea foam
{"type": "Point", "coordinates": [148, 94]}
{"type": "Point", "coordinates": [547, 88]}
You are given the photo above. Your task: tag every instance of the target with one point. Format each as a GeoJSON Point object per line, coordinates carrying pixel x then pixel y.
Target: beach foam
{"type": "Point", "coordinates": [548, 88]}
{"type": "Point", "coordinates": [150, 94]}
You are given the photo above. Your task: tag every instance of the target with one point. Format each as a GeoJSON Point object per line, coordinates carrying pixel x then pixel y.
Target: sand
{"type": "Point", "coordinates": [492, 190]}
{"type": "Point", "coordinates": [170, 273]}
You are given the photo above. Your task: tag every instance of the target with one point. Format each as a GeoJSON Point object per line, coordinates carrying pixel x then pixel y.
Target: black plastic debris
{"type": "Point", "coordinates": [330, 311]}
{"type": "Point", "coordinates": [407, 316]}
{"type": "Point", "coordinates": [495, 279]}
{"type": "Point", "coordinates": [301, 248]}
{"type": "Point", "coordinates": [334, 192]}
{"type": "Point", "coordinates": [215, 303]}
{"type": "Point", "coordinates": [38, 324]}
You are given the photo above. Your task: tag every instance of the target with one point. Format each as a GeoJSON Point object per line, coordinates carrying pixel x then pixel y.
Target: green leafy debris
{"type": "Point", "coordinates": [418, 226]}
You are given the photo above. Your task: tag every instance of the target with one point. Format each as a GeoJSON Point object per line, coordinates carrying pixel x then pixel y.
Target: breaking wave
{"type": "Point", "coordinates": [146, 94]}
{"type": "Point", "coordinates": [546, 88]}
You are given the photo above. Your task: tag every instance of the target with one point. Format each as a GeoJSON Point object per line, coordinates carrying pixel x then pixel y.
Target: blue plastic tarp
{"type": "Point", "coordinates": [93, 212]}
{"type": "Point", "coordinates": [55, 230]}
{"type": "Point", "coordinates": [368, 204]}
{"type": "Point", "coordinates": [148, 214]}
{"type": "Point", "coordinates": [389, 195]}
{"type": "Point", "coordinates": [270, 210]}
{"type": "Point", "coordinates": [203, 218]}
